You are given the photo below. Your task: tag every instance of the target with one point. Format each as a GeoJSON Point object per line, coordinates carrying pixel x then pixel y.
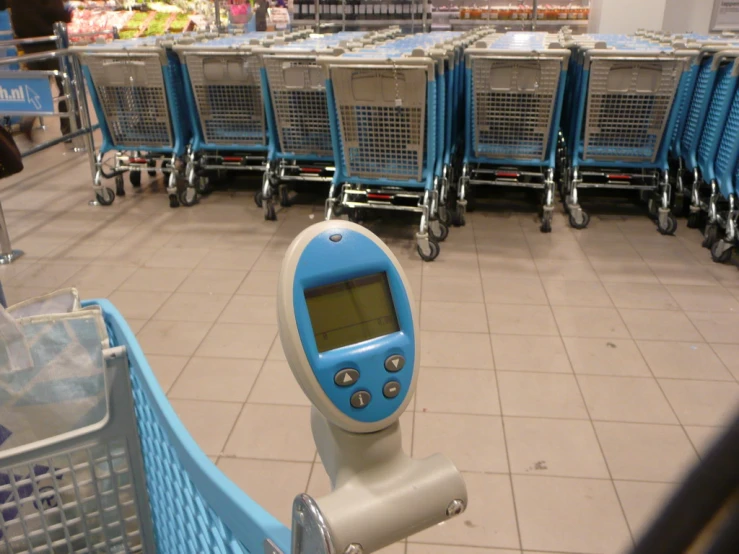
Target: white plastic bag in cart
{"type": "Point", "coordinates": [58, 302]}
{"type": "Point", "coordinates": [64, 389]}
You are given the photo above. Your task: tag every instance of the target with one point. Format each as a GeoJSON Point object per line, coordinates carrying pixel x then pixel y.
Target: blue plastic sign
{"type": "Point", "coordinates": [22, 93]}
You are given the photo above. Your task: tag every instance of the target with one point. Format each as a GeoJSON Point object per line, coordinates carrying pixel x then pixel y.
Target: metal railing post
{"type": "Point", "coordinates": [7, 254]}
{"type": "Point", "coordinates": [68, 86]}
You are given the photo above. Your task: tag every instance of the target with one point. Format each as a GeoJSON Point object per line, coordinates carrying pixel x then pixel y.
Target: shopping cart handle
{"type": "Point", "coordinates": [380, 495]}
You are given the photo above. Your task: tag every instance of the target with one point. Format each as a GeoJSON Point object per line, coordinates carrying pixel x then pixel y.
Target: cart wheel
{"type": "Point", "coordinates": [721, 252]}
{"type": "Point", "coordinates": [652, 208]}
{"type": "Point", "coordinates": [581, 222]}
{"type": "Point", "coordinates": [203, 186]}
{"type": "Point", "coordinates": [680, 205]}
{"type": "Point", "coordinates": [546, 223]}
{"type": "Point", "coordinates": [152, 172]}
{"type": "Point", "coordinates": [710, 235]}
{"type": "Point", "coordinates": [694, 220]}
{"type": "Point", "coordinates": [105, 196]}
{"type": "Point", "coordinates": [269, 214]}
{"type": "Point", "coordinates": [119, 189]}
{"type": "Point", "coordinates": [188, 196]}
{"type": "Point", "coordinates": [284, 196]}
{"type": "Point", "coordinates": [438, 230]}
{"type": "Point", "coordinates": [356, 215]}
{"type": "Point", "coordinates": [667, 225]}
{"type": "Point", "coordinates": [258, 198]}
{"type": "Point", "coordinates": [135, 178]}
{"type": "Point", "coordinates": [339, 209]}
{"type": "Point", "coordinates": [444, 215]}
{"type": "Point", "coordinates": [432, 252]}
{"type": "Point", "coordinates": [173, 202]}
{"type": "Point", "coordinates": [458, 219]}
{"type": "Point", "coordinates": [471, 199]}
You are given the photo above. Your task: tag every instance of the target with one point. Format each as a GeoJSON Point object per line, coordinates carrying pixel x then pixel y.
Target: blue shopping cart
{"type": "Point", "coordinates": [389, 104]}
{"type": "Point", "coordinates": [135, 482]}
{"type": "Point", "coordinates": [225, 108]}
{"type": "Point", "coordinates": [725, 67]}
{"type": "Point", "coordinates": [297, 113]}
{"type": "Point", "coordinates": [624, 108]}
{"type": "Point", "coordinates": [514, 94]}
{"type": "Point", "coordinates": [723, 211]}
{"type": "Point", "coordinates": [137, 91]}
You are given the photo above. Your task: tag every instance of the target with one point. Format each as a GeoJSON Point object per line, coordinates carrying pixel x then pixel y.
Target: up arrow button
{"type": "Point", "coordinates": [394, 363]}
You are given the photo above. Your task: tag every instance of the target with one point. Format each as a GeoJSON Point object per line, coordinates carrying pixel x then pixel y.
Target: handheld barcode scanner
{"type": "Point", "coordinates": [349, 334]}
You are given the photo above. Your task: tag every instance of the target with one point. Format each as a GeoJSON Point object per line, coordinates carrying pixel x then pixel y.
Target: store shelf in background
{"type": "Point", "coordinates": [361, 22]}
{"type": "Point", "coordinates": [515, 24]}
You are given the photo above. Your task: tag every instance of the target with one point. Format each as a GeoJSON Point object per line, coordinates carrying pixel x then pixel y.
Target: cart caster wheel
{"type": "Point", "coordinates": [680, 205]}
{"type": "Point", "coordinates": [710, 235]}
{"type": "Point", "coordinates": [721, 252]}
{"type": "Point", "coordinates": [546, 225]}
{"type": "Point", "coordinates": [652, 208]}
{"type": "Point", "coordinates": [444, 216]}
{"type": "Point", "coordinates": [284, 197]}
{"type": "Point", "coordinates": [458, 219]}
{"type": "Point", "coordinates": [203, 186]}
{"type": "Point", "coordinates": [667, 224]}
{"type": "Point", "coordinates": [105, 196]}
{"type": "Point", "coordinates": [339, 210]}
{"type": "Point", "coordinates": [135, 178]}
{"type": "Point", "coordinates": [694, 220]}
{"type": "Point", "coordinates": [356, 215]}
{"type": "Point", "coordinates": [258, 199]}
{"type": "Point", "coordinates": [188, 196]}
{"type": "Point", "coordinates": [173, 201]}
{"type": "Point", "coordinates": [438, 230]}
{"type": "Point", "coordinates": [431, 250]}
{"type": "Point", "coordinates": [119, 188]}
{"type": "Point", "coordinates": [579, 219]}
{"type": "Point", "coordinates": [152, 164]}
{"type": "Point", "coordinates": [269, 213]}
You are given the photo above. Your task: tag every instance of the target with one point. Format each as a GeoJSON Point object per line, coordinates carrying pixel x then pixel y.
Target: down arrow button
{"type": "Point", "coordinates": [394, 363]}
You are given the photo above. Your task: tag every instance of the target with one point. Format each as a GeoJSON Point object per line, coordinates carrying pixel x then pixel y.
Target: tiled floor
{"type": "Point", "coordinates": [573, 377]}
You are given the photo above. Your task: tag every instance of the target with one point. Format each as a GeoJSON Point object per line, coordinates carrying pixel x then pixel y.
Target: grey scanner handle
{"type": "Point", "coordinates": [379, 494]}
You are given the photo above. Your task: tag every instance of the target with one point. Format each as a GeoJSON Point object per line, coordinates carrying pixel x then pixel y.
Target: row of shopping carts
{"type": "Point", "coordinates": [376, 115]}
{"type": "Point", "coordinates": [417, 123]}
{"type": "Point", "coordinates": [395, 109]}
{"type": "Point", "coordinates": [706, 150]}
{"type": "Point", "coordinates": [191, 106]}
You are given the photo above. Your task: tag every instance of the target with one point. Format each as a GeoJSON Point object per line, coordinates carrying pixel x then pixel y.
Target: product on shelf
{"type": "Point", "coordinates": [519, 12]}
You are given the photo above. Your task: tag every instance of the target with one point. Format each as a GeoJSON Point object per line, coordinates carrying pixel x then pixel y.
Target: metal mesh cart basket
{"type": "Point", "coordinates": [514, 95]}
{"type": "Point", "coordinates": [295, 97]}
{"type": "Point", "coordinates": [137, 482]}
{"type": "Point", "coordinates": [137, 91]}
{"type": "Point", "coordinates": [623, 115]}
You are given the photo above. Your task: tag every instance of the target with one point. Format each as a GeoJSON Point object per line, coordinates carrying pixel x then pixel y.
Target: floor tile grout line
{"type": "Point", "coordinates": [500, 404]}
{"type": "Point", "coordinates": [720, 358]}
{"type": "Point", "coordinates": [592, 423]}
{"type": "Point", "coordinates": [248, 396]}
{"type": "Point", "coordinates": [651, 371]}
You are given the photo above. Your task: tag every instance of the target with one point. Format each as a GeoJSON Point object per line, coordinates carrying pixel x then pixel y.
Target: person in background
{"type": "Point", "coordinates": [36, 18]}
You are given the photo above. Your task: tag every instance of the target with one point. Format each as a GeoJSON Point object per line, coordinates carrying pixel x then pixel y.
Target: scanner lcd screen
{"type": "Point", "coordinates": [351, 311]}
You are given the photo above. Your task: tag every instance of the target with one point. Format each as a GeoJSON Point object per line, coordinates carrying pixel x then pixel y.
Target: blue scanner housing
{"type": "Point", "coordinates": [324, 261]}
